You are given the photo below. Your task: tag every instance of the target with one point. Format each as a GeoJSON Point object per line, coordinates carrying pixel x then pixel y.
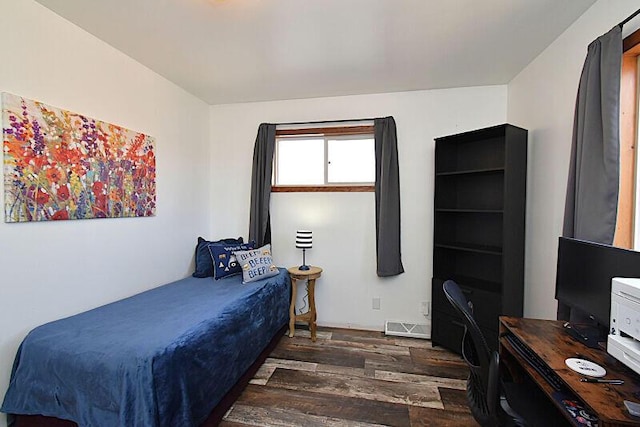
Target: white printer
{"type": "Point", "coordinates": [623, 341]}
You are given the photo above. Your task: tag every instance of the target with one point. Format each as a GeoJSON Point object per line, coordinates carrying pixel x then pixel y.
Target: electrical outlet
{"type": "Point", "coordinates": [375, 303]}
{"type": "Point", "coordinates": [424, 308]}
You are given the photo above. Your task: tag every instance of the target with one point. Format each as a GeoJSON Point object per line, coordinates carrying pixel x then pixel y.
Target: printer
{"type": "Point", "coordinates": [623, 341]}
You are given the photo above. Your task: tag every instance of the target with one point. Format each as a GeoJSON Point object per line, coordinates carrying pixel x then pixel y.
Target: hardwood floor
{"type": "Point", "coordinates": [354, 378]}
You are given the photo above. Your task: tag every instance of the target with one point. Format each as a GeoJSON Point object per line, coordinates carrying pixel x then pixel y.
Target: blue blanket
{"type": "Point", "coordinates": [164, 357]}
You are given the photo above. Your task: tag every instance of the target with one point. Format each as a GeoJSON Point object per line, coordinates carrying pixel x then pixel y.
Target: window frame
{"type": "Point", "coordinates": [322, 132]}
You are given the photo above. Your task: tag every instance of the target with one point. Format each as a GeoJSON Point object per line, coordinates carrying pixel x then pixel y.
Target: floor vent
{"type": "Point", "coordinates": [404, 329]}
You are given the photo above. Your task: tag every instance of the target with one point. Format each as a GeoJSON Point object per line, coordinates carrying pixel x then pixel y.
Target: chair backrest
{"type": "Point", "coordinates": [478, 356]}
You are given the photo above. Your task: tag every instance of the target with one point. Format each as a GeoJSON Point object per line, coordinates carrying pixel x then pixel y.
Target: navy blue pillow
{"type": "Point", "coordinates": [224, 259]}
{"type": "Point", "coordinates": [204, 265]}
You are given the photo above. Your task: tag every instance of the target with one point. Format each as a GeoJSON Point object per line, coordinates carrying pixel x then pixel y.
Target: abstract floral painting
{"type": "Point", "coordinates": [62, 165]}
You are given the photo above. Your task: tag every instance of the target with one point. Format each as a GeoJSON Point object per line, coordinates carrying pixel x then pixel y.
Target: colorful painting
{"type": "Point", "coordinates": [62, 165]}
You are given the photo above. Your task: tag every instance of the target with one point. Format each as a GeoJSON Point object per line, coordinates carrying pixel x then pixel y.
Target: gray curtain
{"type": "Point", "coordinates": [389, 260]}
{"type": "Point", "coordinates": [592, 189]}
{"type": "Point", "coordinates": [259, 220]}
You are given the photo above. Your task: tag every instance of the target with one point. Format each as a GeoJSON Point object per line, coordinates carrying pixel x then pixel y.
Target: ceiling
{"type": "Point", "coordinates": [228, 51]}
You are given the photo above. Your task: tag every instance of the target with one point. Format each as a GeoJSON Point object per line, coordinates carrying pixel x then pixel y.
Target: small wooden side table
{"type": "Point", "coordinates": [310, 316]}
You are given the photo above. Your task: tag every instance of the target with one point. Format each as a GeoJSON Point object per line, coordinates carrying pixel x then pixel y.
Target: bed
{"type": "Point", "coordinates": [165, 357]}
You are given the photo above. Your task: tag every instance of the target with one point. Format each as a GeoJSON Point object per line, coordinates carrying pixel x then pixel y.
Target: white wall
{"type": "Point", "coordinates": [343, 224]}
{"type": "Point", "coordinates": [541, 99]}
{"type": "Point", "coordinates": [50, 270]}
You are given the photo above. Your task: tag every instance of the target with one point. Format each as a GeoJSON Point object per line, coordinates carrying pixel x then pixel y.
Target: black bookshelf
{"type": "Point", "coordinates": [479, 228]}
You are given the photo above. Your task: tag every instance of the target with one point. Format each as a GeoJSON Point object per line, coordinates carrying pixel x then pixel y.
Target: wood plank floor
{"type": "Point", "coordinates": [354, 378]}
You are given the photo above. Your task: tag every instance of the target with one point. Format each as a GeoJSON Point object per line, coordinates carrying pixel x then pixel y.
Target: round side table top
{"type": "Point", "coordinates": [312, 271]}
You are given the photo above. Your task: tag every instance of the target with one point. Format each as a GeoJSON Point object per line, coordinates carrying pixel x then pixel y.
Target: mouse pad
{"type": "Point", "coordinates": [580, 416]}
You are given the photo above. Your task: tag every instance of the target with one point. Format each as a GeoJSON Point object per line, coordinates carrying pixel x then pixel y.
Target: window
{"type": "Point", "coordinates": [629, 197]}
{"type": "Point", "coordinates": [324, 159]}
{"type": "Point", "coordinates": [299, 161]}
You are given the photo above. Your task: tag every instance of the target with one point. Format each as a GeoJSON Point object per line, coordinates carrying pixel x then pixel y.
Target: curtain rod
{"type": "Point", "coordinates": [319, 122]}
{"type": "Point", "coordinates": [633, 15]}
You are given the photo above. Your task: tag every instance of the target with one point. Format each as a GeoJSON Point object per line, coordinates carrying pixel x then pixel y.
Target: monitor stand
{"type": "Point", "coordinates": [588, 335]}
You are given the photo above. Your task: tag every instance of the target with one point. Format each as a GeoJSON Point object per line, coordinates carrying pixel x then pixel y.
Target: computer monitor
{"type": "Point", "coordinates": [584, 274]}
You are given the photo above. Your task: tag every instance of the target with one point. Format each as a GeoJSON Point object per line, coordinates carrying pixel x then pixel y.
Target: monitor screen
{"type": "Point", "coordinates": [585, 270]}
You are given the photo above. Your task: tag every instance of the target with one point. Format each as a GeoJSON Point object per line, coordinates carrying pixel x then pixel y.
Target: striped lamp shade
{"type": "Point", "coordinates": [303, 239]}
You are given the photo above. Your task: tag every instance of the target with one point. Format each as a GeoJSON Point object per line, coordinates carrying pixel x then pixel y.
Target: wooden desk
{"type": "Point", "coordinates": [310, 316]}
{"type": "Point", "coordinates": [548, 339]}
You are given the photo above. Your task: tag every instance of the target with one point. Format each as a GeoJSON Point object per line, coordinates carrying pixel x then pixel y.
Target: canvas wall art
{"type": "Point", "coordinates": [61, 165]}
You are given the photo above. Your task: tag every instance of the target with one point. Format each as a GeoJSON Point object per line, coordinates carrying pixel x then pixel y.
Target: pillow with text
{"type": "Point", "coordinates": [256, 264]}
{"type": "Point", "coordinates": [224, 260]}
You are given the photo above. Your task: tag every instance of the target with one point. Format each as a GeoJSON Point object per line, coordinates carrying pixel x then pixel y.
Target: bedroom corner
{"type": "Point", "coordinates": [55, 269]}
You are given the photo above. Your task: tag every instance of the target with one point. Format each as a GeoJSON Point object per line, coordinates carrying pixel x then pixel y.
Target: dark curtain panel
{"type": "Point", "coordinates": [389, 260]}
{"type": "Point", "coordinates": [592, 189]}
{"type": "Point", "coordinates": [259, 220]}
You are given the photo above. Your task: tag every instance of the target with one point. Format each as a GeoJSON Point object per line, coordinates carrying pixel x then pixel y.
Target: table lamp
{"type": "Point", "coordinates": [304, 242]}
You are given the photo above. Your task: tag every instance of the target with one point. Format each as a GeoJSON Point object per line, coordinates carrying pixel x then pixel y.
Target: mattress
{"type": "Point", "coordinates": [164, 357]}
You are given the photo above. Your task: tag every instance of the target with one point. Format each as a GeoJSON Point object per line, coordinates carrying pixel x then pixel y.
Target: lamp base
{"type": "Point", "coordinates": [304, 266]}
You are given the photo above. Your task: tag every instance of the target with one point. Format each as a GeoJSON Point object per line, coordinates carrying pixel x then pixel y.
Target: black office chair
{"type": "Point", "coordinates": [494, 402]}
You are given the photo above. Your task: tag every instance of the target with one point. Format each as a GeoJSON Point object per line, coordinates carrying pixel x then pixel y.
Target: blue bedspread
{"type": "Point", "coordinates": [164, 357]}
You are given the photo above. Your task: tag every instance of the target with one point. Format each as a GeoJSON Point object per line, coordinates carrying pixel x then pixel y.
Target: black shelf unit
{"type": "Point", "coordinates": [479, 228]}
